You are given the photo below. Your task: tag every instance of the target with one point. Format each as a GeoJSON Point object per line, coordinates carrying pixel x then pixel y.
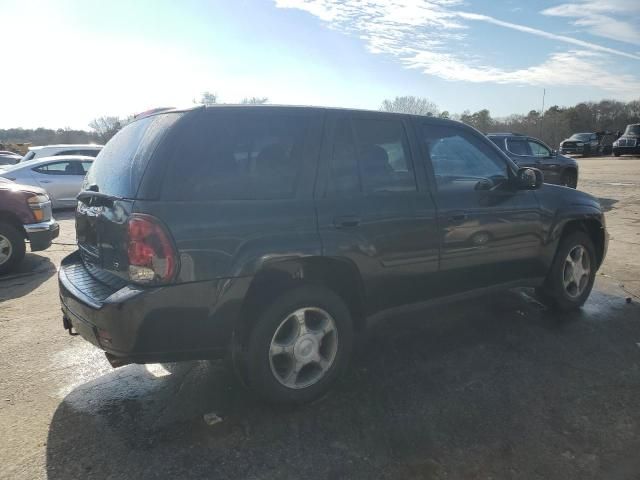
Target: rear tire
{"type": "Point", "coordinates": [616, 154]}
{"type": "Point", "coordinates": [12, 248]}
{"type": "Point", "coordinates": [299, 346]}
{"type": "Point", "coordinates": [572, 274]}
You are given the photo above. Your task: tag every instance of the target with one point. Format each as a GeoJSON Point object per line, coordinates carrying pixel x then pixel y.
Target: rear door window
{"type": "Point", "coordinates": [370, 155]}
{"type": "Point", "coordinates": [235, 156]}
{"type": "Point", "coordinates": [383, 152]}
{"type": "Point", "coordinates": [518, 146]}
{"type": "Point", "coordinates": [59, 168]}
{"type": "Point", "coordinates": [85, 166]}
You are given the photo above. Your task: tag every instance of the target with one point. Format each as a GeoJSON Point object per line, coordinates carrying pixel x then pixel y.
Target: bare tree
{"type": "Point", "coordinates": [254, 100]}
{"type": "Point", "coordinates": [410, 104]}
{"type": "Point", "coordinates": [207, 98]}
{"type": "Point", "coordinates": [106, 127]}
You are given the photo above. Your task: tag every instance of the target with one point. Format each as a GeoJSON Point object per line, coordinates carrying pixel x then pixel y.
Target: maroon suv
{"type": "Point", "coordinates": [25, 215]}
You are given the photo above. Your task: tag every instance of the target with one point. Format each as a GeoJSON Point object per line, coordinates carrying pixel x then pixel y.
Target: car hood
{"type": "Point", "coordinates": [570, 196]}
{"type": "Point", "coordinates": [566, 159]}
{"type": "Point", "coordinates": [17, 187]}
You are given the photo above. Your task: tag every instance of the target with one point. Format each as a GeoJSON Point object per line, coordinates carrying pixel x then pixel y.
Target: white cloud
{"type": "Point", "coordinates": [545, 34]}
{"type": "Point", "coordinates": [598, 18]}
{"type": "Point", "coordinates": [423, 35]}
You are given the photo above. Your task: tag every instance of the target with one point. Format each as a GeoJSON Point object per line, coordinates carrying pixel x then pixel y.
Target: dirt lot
{"type": "Point", "coordinates": [498, 388]}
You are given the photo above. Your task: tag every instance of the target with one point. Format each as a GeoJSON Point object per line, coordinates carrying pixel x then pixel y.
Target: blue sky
{"type": "Point", "coordinates": [75, 60]}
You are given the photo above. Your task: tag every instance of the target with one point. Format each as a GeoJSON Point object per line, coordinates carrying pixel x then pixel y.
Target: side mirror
{"type": "Point", "coordinates": [554, 153]}
{"type": "Point", "coordinates": [529, 178]}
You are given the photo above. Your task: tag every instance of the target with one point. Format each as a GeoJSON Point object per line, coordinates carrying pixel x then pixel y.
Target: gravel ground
{"type": "Point", "coordinates": [494, 388]}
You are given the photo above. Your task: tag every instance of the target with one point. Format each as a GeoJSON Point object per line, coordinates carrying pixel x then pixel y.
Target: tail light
{"type": "Point", "coordinates": [152, 256]}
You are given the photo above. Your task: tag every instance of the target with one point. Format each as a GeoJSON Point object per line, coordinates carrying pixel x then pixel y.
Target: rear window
{"type": "Point", "coordinates": [118, 168]}
{"type": "Point", "coordinates": [518, 146]}
{"type": "Point", "coordinates": [237, 156]}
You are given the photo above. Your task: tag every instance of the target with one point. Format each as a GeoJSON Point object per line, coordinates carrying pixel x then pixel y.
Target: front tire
{"type": "Point", "coordinates": [12, 248]}
{"type": "Point", "coordinates": [572, 273]}
{"type": "Point", "coordinates": [299, 346]}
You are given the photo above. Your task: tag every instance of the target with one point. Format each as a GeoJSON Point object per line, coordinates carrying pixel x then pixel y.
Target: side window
{"type": "Point", "coordinates": [236, 156]}
{"type": "Point", "coordinates": [85, 167]}
{"type": "Point", "coordinates": [383, 153]}
{"type": "Point", "coordinates": [89, 153]}
{"type": "Point", "coordinates": [518, 146]}
{"type": "Point", "coordinates": [458, 157]}
{"type": "Point", "coordinates": [58, 168]}
{"type": "Point", "coordinates": [343, 171]}
{"type": "Point", "coordinates": [539, 150]}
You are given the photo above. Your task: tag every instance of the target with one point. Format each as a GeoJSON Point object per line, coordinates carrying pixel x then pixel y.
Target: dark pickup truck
{"type": "Point", "coordinates": [25, 215]}
{"type": "Point", "coordinates": [588, 144]}
{"type": "Point", "coordinates": [629, 142]}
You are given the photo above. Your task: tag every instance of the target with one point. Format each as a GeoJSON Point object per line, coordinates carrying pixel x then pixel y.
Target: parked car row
{"type": "Point", "coordinates": [276, 234]}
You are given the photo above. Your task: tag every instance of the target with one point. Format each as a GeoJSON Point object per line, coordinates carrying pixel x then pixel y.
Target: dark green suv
{"type": "Point", "coordinates": [276, 234]}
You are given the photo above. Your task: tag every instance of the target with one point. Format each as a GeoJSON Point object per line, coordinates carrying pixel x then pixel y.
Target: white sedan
{"type": "Point", "coordinates": [61, 176]}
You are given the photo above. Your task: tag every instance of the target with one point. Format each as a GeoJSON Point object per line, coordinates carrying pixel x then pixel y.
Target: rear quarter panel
{"type": "Point", "coordinates": [235, 238]}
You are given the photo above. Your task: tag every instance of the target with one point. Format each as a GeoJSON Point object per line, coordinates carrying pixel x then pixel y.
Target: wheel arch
{"type": "Point", "coordinates": [13, 220]}
{"type": "Point", "coordinates": [592, 226]}
{"type": "Point", "coordinates": [274, 278]}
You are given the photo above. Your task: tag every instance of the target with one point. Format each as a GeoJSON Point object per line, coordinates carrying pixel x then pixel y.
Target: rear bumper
{"type": "Point", "coordinates": [41, 234]}
{"type": "Point", "coordinates": [147, 325]}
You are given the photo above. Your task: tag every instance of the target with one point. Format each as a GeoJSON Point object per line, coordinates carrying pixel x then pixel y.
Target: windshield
{"type": "Point", "coordinates": [632, 130]}
{"type": "Point", "coordinates": [581, 137]}
{"type": "Point", "coordinates": [118, 168]}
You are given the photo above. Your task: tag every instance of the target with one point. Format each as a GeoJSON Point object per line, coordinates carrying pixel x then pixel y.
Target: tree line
{"type": "Point", "coordinates": [552, 126]}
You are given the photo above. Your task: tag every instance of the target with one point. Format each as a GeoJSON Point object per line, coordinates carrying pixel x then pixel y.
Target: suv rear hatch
{"type": "Point", "coordinates": [106, 202]}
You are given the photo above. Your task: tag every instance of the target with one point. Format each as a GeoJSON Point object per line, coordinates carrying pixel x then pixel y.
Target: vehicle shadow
{"type": "Point", "coordinates": [498, 387]}
{"type": "Point", "coordinates": [607, 203]}
{"type": "Point", "coordinates": [34, 270]}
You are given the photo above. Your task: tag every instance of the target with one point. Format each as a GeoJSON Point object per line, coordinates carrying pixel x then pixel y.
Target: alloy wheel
{"type": "Point", "coordinates": [303, 348]}
{"type": "Point", "coordinates": [6, 249]}
{"type": "Point", "coordinates": [576, 272]}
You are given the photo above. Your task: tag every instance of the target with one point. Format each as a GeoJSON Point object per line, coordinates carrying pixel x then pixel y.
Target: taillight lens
{"type": "Point", "coordinates": [152, 256]}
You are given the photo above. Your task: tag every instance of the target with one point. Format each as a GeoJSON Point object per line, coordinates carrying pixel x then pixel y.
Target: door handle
{"type": "Point", "coordinates": [346, 221]}
{"type": "Point", "coordinates": [457, 218]}
{"type": "Point", "coordinates": [45, 181]}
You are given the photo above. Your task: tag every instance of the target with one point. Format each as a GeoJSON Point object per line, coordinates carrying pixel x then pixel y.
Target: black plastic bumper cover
{"type": "Point", "coordinates": [146, 325]}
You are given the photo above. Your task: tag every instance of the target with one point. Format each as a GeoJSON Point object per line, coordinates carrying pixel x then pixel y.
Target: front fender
{"type": "Point", "coordinates": [586, 217]}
